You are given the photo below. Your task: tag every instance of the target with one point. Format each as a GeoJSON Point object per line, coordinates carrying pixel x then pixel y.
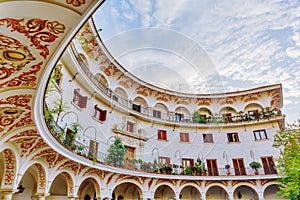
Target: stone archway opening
{"type": "Point", "coordinates": [216, 192]}
{"type": "Point", "coordinates": [126, 191]}
{"type": "Point", "coordinates": [164, 192]}
{"type": "Point", "coordinates": [244, 192]}
{"type": "Point", "coordinates": [189, 193]}
{"type": "Point", "coordinates": [270, 193]}
{"type": "Point", "coordinates": [59, 187]}
{"type": "Point", "coordinates": [87, 189]}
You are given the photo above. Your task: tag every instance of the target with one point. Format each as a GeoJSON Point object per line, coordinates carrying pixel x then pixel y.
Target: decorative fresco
{"type": "Point", "coordinates": [75, 3]}
{"type": "Point", "coordinates": [143, 90]}
{"type": "Point", "coordinates": [14, 112]}
{"type": "Point", "coordinates": [159, 96]}
{"type": "Point", "coordinates": [251, 97]}
{"type": "Point", "coordinates": [40, 32]}
{"type": "Point", "coordinates": [9, 166]}
{"type": "Point", "coordinates": [13, 56]}
{"type": "Point", "coordinates": [28, 141]}
{"type": "Point", "coordinates": [226, 100]}
{"type": "Point", "coordinates": [204, 101]}
{"type": "Point", "coordinates": [41, 176]}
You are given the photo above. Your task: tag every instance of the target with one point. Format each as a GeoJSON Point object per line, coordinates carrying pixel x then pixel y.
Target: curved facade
{"type": "Point", "coordinates": [65, 101]}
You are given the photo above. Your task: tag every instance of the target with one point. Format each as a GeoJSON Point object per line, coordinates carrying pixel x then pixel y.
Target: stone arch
{"type": "Point", "coordinates": [33, 181]}
{"type": "Point", "coordinates": [9, 168]}
{"type": "Point", "coordinates": [159, 109]}
{"type": "Point", "coordinates": [102, 79]}
{"type": "Point", "coordinates": [228, 109]}
{"type": "Point", "coordinates": [129, 189]}
{"type": "Point", "coordinates": [252, 106]}
{"type": "Point", "coordinates": [181, 113]}
{"type": "Point", "coordinates": [216, 191]}
{"type": "Point", "coordinates": [140, 100]}
{"type": "Point", "coordinates": [85, 188]}
{"type": "Point", "coordinates": [121, 93]}
{"type": "Point", "coordinates": [245, 191]}
{"type": "Point", "coordinates": [164, 191]}
{"type": "Point", "coordinates": [59, 186]}
{"type": "Point", "coordinates": [190, 191]}
{"type": "Point", "coordinates": [70, 183]}
{"type": "Point", "coordinates": [270, 190]}
{"type": "Point", "coordinates": [205, 110]}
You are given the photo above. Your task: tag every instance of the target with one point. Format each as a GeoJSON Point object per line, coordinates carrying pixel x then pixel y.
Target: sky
{"type": "Point", "coordinates": [207, 46]}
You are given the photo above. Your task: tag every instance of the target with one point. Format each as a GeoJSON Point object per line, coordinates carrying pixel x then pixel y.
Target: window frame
{"type": "Point", "coordinates": [100, 114]}
{"type": "Point", "coordinates": [157, 114]}
{"type": "Point", "coordinates": [130, 127]}
{"type": "Point", "coordinates": [162, 135]}
{"type": "Point", "coordinates": [184, 137]}
{"type": "Point", "coordinates": [231, 136]}
{"type": "Point", "coordinates": [204, 135]}
{"type": "Point", "coordinates": [255, 132]}
{"type": "Point", "coordinates": [164, 160]}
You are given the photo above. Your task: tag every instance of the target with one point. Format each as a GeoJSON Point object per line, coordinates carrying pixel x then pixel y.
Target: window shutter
{"type": "Point", "coordinates": [76, 95]}
{"type": "Point", "coordinates": [181, 137]}
{"type": "Point", "coordinates": [82, 101]}
{"type": "Point", "coordinates": [103, 115]}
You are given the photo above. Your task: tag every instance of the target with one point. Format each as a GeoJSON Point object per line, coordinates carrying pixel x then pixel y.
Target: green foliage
{"type": "Point", "coordinates": [255, 165]}
{"type": "Point", "coordinates": [197, 117]}
{"type": "Point", "coordinates": [289, 161]}
{"type": "Point", "coordinates": [116, 153]}
{"type": "Point", "coordinates": [227, 166]}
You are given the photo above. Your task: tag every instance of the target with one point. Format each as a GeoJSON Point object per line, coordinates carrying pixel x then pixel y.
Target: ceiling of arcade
{"type": "Point", "coordinates": [31, 37]}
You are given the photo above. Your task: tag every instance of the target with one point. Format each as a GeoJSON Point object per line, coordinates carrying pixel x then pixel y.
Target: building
{"type": "Point", "coordinates": [55, 137]}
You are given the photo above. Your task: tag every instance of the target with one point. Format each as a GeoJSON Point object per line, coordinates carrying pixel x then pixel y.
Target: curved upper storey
{"type": "Point", "coordinates": [146, 98]}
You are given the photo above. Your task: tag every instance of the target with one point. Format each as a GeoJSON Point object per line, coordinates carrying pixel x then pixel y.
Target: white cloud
{"type": "Point", "coordinates": [251, 43]}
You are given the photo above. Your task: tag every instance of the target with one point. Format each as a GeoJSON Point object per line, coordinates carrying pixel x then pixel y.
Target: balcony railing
{"type": "Point", "coordinates": [172, 117]}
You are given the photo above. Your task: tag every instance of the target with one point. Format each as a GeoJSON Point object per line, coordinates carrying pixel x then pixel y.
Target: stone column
{"type": "Point", "coordinates": [230, 196]}
{"type": "Point", "coordinates": [7, 194]}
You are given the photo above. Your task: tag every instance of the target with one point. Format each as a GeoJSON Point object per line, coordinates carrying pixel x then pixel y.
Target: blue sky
{"type": "Point", "coordinates": [211, 45]}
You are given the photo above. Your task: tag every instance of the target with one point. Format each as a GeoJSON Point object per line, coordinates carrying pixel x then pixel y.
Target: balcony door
{"type": "Point", "coordinates": [268, 165]}
{"type": "Point", "coordinates": [239, 167]}
{"type": "Point", "coordinates": [212, 167]}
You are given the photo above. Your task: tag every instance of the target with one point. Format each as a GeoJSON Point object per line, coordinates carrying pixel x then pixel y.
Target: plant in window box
{"type": "Point", "coordinates": [80, 149]}
{"type": "Point", "coordinates": [93, 157]}
{"type": "Point", "coordinates": [138, 164]}
{"type": "Point", "coordinates": [227, 166]}
{"type": "Point", "coordinates": [255, 165]}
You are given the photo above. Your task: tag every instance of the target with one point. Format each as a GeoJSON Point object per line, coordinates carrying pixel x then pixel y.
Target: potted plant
{"type": "Point", "coordinates": [255, 165]}
{"type": "Point", "coordinates": [80, 148]}
{"type": "Point", "coordinates": [227, 166]}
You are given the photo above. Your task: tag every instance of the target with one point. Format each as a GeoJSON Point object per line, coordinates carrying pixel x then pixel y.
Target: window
{"type": "Point", "coordinates": [164, 160]}
{"type": "Point", "coordinates": [100, 114]}
{"type": "Point", "coordinates": [79, 100]}
{"type": "Point", "coordinates": [162, 135]}
{"type": "Point", "coordinates": [157, 113]}
{"type": "Point", "coordinates": [260, 134]}
{"type": "Point", "coordinates": [238, 165]}
{"type": "Point", "coordinates": [208, 138]}
{"type": "Point", "coordinates": [136, 107]}
{"type": "Point", "coordinates": [184, 137]}
{"type": "Point", "coordinates": [233, 137]}
{"type": "Point", "coordinates": [212, 167]}
{"type": "Point", "coordinates": [187, 162]}
{"type": "Point", "coordinates": [268, 165]}
{"type": "Point", "coordinates": [130, 127]}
